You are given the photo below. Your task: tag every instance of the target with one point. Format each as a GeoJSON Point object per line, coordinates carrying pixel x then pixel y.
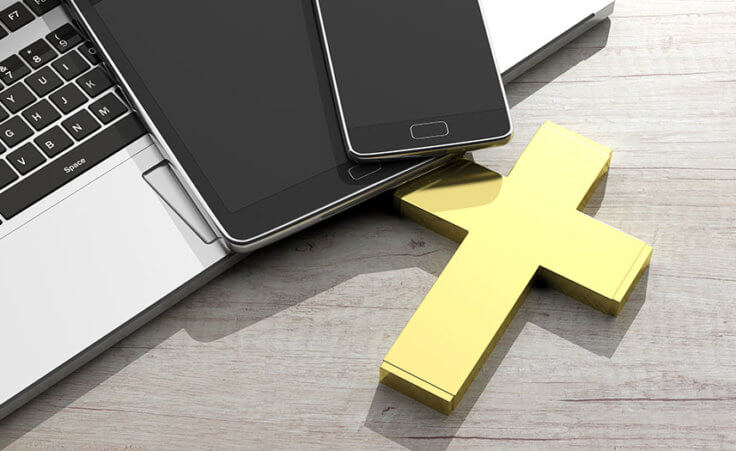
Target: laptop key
{"type": "Point", "coordinates": [64, 38]}
{"type": "Point", "coordinates": [90, 53]}
{"type": "Point", "coordinates": [7, 175]}
{"type": "Point", "coordinates": [16, 16]}
{"type": "Point", "coordinates": [108, 108]}
{"type": "Point", "coordinates": [81, 125]}
{"type": "Point", "coordinates": [44, 81]}
{"type": "Point", "coordinates": [94, 82]}
{"type": "Point", "coordinates": [26, 158]}
{"type": "Point", "coordinates": [38, 54]}
{"type": "Point", "coordinates": [41, 115]}
{"type": "Point", "coordinates": [54, 142]}
{"type": "Point", "coordinates": [68, 98]}
{"type": "Point", "coordinates": [70, 65]}
{"type": "Point", "coordinates": [13, 69]}
{"type": "Point", "coordinates": [14, 131]}
{"type": "Point", "coordinates": [41, 7]}
{"type": "Point", "coordinates": [17, 98]}
{"type": "Point", "coordinates": [69, 166]}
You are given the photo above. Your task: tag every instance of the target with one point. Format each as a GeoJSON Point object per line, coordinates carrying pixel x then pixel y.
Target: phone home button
{"type": "Point", "coordinates": [361, 171]}
{"type": "Point", "coordinates": [429, 130]}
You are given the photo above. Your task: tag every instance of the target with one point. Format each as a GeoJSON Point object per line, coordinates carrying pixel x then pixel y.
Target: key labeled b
{"type": "Point", "coordinates": [53, 142]}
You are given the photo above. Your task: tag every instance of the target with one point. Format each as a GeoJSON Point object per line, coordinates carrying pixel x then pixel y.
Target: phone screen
{"type": "Point", "coordinates": [409, 62]}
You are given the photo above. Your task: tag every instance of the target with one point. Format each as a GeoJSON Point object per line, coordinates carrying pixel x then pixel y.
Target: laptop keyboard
{"type": "Point", "coordinates": [60, 115]}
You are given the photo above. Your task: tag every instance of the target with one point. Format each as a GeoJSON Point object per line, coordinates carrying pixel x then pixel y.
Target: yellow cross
{"type": "Point", "coordinates": [512, 229]}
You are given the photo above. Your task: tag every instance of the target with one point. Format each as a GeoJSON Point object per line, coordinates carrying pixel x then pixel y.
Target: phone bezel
{"type": "Point", "coordinates": [266, 220]}
{"type": "Point", "coordinates": [386, 136]}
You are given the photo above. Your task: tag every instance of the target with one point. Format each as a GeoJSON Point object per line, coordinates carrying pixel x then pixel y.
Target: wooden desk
{"type": "Point", "coordinates": [283, 351]}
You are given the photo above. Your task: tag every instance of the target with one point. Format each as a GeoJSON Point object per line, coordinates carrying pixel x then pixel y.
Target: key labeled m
{"type": "Point", "coordinates": [104, 111]}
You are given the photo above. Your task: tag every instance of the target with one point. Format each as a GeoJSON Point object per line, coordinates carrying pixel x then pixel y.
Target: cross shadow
{"type": "Point", "coordinates": [596, 201]}
{"type": "Point", "coordinates": [415, 426]}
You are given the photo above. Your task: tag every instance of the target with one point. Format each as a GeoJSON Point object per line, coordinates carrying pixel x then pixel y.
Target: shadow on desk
{"type": "Point", "coordinates": [415, 426]}
{"type": "Point", "coordinates": [553, 67]}
{"type": "Point", "coordinates": [391, 414]}
{"type": "Point", "coordinates": [329, 254]}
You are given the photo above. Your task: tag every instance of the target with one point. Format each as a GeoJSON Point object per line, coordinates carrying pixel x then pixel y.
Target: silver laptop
{"type": "Point", "coordinates": [93, 248]}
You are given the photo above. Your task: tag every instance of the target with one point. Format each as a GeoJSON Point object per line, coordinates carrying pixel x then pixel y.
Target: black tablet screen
{"type": "Point", "coordinates": [241, 84]}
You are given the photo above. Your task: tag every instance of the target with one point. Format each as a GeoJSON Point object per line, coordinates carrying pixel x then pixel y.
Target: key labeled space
{"type": "Point", "coordinates": [69, 165]}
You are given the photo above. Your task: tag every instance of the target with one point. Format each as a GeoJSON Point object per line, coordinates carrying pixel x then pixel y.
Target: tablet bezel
{"type": "Point", "coordinates": [265, 220]}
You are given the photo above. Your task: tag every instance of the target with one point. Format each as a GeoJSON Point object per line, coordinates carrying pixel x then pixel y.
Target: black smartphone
{"type": "Point", "coordinates": [238, 97]}
{"type": "Point", "coordinates": [413, 77]}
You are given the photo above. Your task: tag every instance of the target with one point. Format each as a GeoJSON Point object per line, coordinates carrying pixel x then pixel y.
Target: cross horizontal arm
{"type": "Point", "coordinates": [593, 262]}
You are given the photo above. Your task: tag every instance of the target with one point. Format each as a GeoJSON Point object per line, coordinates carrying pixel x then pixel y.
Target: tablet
{"type": "Point", "coordinates": [238, 96]}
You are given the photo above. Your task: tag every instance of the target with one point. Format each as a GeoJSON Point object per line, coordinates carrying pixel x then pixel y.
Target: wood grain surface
{"type": "Point", "coordinates": [283, 350]}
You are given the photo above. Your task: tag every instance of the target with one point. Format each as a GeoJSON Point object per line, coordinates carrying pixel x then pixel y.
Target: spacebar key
{"type": "Point", "coordinates": [70, 166]}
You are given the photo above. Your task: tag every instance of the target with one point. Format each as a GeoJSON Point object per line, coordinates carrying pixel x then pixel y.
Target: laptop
{"type": "Point", "coordinates": [93, 248]}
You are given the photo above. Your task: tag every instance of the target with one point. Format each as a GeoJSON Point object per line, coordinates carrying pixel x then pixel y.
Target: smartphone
{"type": "Point", "coordinates": [238, 98]}
{"type": "Point", "coordinates": [413, 77]}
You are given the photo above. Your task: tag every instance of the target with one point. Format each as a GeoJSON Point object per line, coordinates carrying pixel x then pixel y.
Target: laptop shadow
{"type": "Point", "coordinates": [330, 253]}
{"type": "Point", "coordinates": [212, 314]}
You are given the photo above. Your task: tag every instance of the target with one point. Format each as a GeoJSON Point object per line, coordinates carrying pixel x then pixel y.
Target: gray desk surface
{"type": "Point", "coordinates": [283, 350]}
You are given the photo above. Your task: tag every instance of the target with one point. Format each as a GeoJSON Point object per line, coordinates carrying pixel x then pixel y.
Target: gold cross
{"type": "Point", "coordinates": [512, 229]}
